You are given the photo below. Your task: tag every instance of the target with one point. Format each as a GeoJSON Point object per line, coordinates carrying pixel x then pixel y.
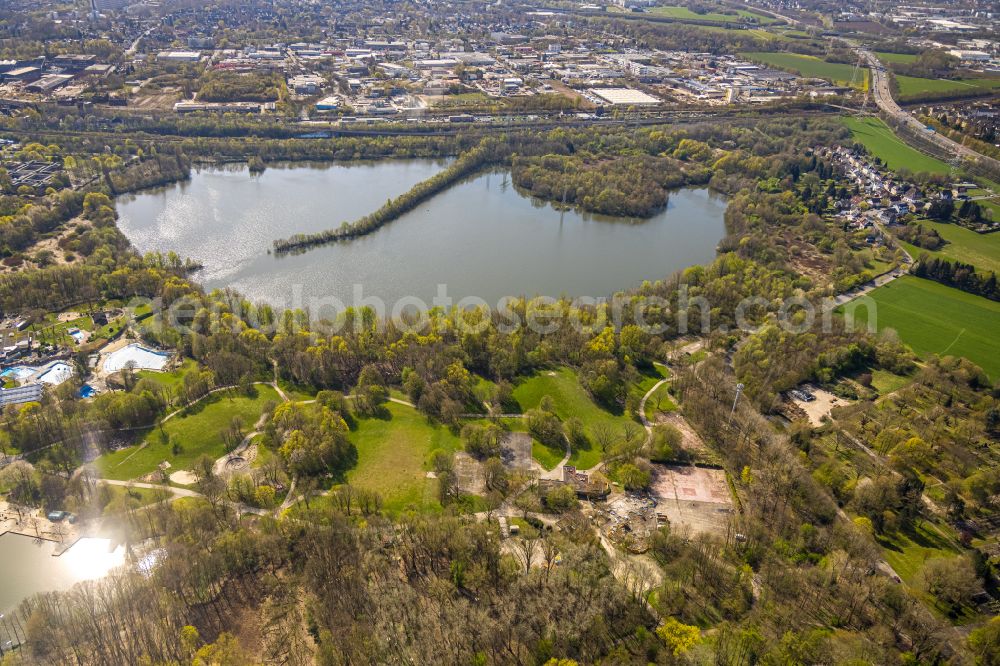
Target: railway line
{"type": "Point", "coordinates": [312, 132]}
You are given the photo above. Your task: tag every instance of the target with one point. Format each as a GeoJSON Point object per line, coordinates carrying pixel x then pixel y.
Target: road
{"type": "Point", "coordinates": [135, 44]}
{"type": "Point", "coordinates": [880, 87]}
{"type": "Point", "coordinates": [881, 280]}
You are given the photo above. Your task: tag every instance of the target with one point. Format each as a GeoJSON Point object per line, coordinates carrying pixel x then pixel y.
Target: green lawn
{"type": "Point", "coordinates": [980, 250]}
{"type": "Point", "coordinates": [297, 392]}
{"type": "Point", "coordinates": [880, 141]}
{"type": "Point", "coordinates": [197, 433]}
{"type": "Point", "coordinates": [394, 455]}
{"type": "Point", "coordinates": [811, 66]}
{"type": "Point", "coordinates": [886, 382]}
{"type": "Point", "coordinates": [935, 319]}
{"type": "Point", "coordinates": [911, 86]}
{"type": "Point", "coordinates": [907, 551]}
{"type": "Point", "coordinates": [547, 457]}
{"type": "Point", "coordinates": [569, 400]}
{"type": "Point", "coordinates": [684, 13]}
{"type": "Point", "coordinates": [647, 379]}
{"type": "Point", "coordinates": [123, 499]}
{"type": "Point", "coordinates": [659, 402]}
{"type": "Point", "coordinates": [50, 329]}
{"type": "Point", "coordinates": [991, 205]}
{"type": "Point", "coordinates": [172, 379]}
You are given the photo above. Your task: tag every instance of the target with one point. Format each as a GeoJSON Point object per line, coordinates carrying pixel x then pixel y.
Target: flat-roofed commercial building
{"type": "Point", "coordinates": [625, 97]}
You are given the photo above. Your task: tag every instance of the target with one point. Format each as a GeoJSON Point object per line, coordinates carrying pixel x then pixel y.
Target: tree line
{"type": "Point", "coordinates": [488, 152]}
{"type": "Point", "coordinates": [959, 275]}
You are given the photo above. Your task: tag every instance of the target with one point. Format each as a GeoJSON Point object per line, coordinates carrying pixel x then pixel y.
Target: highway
{"type": "Point", "coordinates": [883, 97]}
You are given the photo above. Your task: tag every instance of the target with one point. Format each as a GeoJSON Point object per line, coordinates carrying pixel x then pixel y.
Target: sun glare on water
{"type": "Point", "coordinates": [92, 558]}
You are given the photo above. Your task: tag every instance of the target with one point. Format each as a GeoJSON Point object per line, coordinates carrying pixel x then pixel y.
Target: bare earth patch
{"type": "Point", "coordinates": [692, 498]}
{"type": "Point", "coordinates": [821, 406]}
{"type": "Point", "coordinates": [515, 451]}
{"type": "Point", "coordinates": [690, 440]}
{"type": "Point", "coordinates": [184, 477]}
{"type": "Point", "coordinates": [469, 474]}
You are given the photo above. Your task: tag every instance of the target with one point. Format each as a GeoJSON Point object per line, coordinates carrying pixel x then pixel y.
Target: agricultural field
{"type": "Point", "coordinates": [935, 319]}
{"type": "Point", "coordinates": [569, 399]}
{"type": "Point", "coordinates": [394, 457]}
{"type": "Point", "coordinates": [759, 34]}
{"type": "Point", "coordinates": [881, 142]}
{"type": "Point", "coordinates": [684, 13]}
{"type": "Point", "coordinates": [911, 86]}
{"type": "Point", "coordinates": [194, 433]}
{"type": "Point", "coordinates": [980, 250]}
{"type": "Point", "coordinates": [811, 66]}
{"type": "Point", "coordinates": [885, 56]}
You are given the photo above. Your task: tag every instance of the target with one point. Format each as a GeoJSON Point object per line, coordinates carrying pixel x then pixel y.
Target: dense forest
{"type": "Point", "coordinates": [629, 186]}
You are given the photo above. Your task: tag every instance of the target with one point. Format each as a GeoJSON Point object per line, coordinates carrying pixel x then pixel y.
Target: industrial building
{"type": "Point", "coordinates": [624, 97]}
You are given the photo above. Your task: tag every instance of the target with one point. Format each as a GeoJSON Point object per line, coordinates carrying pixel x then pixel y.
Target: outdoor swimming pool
{"type": "Point", "coordinates": [18, 372]}
{"type": "Point", "coordinates": [142, 357]}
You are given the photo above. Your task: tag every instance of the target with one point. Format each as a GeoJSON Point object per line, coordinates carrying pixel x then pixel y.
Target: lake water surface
{"type": "Point", "coordinates": [27, 566]}
{"type": "Point", "coordinates": [481, 238]}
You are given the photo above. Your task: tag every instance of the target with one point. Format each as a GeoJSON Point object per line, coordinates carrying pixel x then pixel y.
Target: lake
{"type": "Point", "coordinates": [27, 566]}
{"type": "Point", "coordinates": [481, 238]}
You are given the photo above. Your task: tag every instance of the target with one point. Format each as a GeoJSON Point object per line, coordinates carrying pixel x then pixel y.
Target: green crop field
{"type": "Point", "coordinates": [885, 56]}
{"type": "Point", "coordinates": [569, 399]}
{"type": "Point", "coordinates": [684, 13]}
{"type": "Point", "coordinates": [880, 141]}
{"type": "Point", "coordinates": [394, 455]}
{"type": "Point", "coordinates": [759, 34]}
{"type": "Point", "coordinates": [980, 250]}
{"type": "Point", "coordinates": [196, 433]}
{"type": "Point", "coordinates": [810, 66]}
{"type": "Point", "coordinates": [935, 319]}
{"type": "Point", "coordinates": [911, 86]}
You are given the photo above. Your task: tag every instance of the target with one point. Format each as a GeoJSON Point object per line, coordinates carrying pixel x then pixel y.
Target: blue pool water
{"type": "Point", "coordinates": [87, 391]}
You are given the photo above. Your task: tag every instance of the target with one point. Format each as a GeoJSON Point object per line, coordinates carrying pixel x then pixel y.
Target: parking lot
{"type": "Point", "coordinates": [819, 406]}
